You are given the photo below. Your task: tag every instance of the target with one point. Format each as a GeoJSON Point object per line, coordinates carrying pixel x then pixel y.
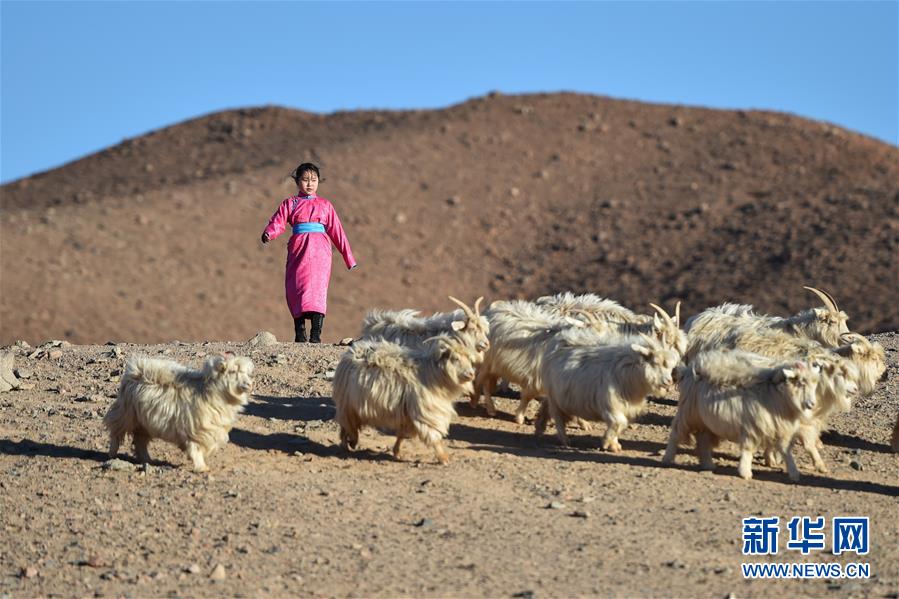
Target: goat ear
{"type": "Point", "coordinates": [789, 373]}
{"type": "Point", "coordinates": [221, 364]}
{"type": "Point", "coordinates": [822, 314]}
{"type": "Point", "coordinates": [641, 349]}
{"type": "Point", "coordinates": [458, 325]}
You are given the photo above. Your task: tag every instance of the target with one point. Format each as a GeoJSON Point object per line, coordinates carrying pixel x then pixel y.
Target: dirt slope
{"type": "Point", "coordinates": [156, 239]}
{"type": "Point", "coordinates": [285, 513]}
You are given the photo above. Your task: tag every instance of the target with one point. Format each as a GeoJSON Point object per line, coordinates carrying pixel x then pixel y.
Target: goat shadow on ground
{"type": "Point", "coordinates": [27, 447]}
{"type": "Point", "coordinates": [852, 442]}
{"type": "Point", "coordinates": [291, 443]}
{"type": "Point", "coordinates": [291, 408]}
{"type": "Point", "coordinates": [529, 445]}
{"type": "Point", "coordinates": [586, 449]}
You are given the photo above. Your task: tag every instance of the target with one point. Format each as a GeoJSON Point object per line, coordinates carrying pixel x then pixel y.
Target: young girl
{"type": "Point", "coordinates": [315, 225]}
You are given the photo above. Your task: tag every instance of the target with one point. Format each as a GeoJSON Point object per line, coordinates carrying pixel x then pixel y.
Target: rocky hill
{"type": "Point", "coordinates": [156, 239]}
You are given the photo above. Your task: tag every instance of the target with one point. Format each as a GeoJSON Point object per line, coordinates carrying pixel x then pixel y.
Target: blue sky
{"type": "Point", "coordinates": [80, 76]}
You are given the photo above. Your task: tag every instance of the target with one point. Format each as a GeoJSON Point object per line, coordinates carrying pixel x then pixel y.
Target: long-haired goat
{"type": "Point", "coordinates": [745, 398]}
{"type": "Point", "coordinates": [588, 378]}
{"type": "Point", "coordinates": [409, 390]}
{"type": "Point", "coordinates": [519, 331]}
{"type": "Point", "coordinates": [660, 326]}
{"type": "Point", "coordinates": [569, 304]}
{"type": "Point", "coordinates": [868, 356]}
{"type": "Point", "coordinates": [711, 328]}
{"type": "Point", "coordinates": [194, 409]}
{"type": "Point", "coordinates": [407, 327]}
{"type": "Point", "coordinates": [838, 382]}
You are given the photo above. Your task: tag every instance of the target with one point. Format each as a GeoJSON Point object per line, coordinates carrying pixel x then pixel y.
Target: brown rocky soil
{"type": "Point", "coordinates": [284, 512]}
{"type": "Point", "coordinates": [156, 239]}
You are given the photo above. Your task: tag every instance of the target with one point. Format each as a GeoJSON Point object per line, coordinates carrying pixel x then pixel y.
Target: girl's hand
{"type": "Point", "coordinates": [265, 238]}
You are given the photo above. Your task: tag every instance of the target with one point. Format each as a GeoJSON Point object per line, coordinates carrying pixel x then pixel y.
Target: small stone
{"type": "Point", "coordinates": [454, 200]}
{"type": "Point", "coordinates": [262, 339]}
{"type": "Point", "coordinates": [117, 464]}
{"type": "Point", "coordinates": [424, 523]}
{"type": "Point", "coordinates": [580, 514]}
{"type": "Point", "coordinates": [54, 354]}
{"type": "Point", "coordinates": [29, 572]}
{"type": "Point", "coordinates": [556, 505]}
{"type": "Point", "coordinates": [856, 465]}
{"type": "Point", "coordinates": [400, 218]}
{"type": "Point", "coordinates": [23, 373]}
{"type": "Point", "coordinates": [193, 569]}
{"type": "Point", "coordinates": [346, 341]}
{"type": "Point", "coordinates": [514, 192]}
{"type": "Point", "coordinates": [728, 496]}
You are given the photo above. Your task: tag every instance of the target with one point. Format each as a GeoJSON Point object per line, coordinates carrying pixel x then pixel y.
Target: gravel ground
{"type": "Point", "coordinates": [284, 512]}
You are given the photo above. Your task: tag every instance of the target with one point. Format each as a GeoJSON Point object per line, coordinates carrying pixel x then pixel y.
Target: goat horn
{"type": "Point", "coordinates": [828, 302]}
{"type": "Point", "coordinates": [836, 307]}
{"type": "Point", "coordinates": [467, 310]}
{"type": "Point", "coordinates": [677, 314]}
{"type": "Point", "coordinates": [661, 311]}
{"type": "Point", "coordinates": [477, 303]}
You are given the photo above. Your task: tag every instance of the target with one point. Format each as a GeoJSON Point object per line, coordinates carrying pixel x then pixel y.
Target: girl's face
{"type": "Point", "coordinates": [308, 183]}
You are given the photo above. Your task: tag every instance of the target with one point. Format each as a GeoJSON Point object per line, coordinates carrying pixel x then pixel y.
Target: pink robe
{"type": "Point", "coordinates": [308, 269]}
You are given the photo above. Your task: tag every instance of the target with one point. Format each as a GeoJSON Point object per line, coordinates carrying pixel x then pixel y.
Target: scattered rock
{"type": "Point", "coordinates": [193, 569]}
{"type": "Point", "coordinates": [8, 380]}
{"type": "Point", "coordinates": [424, 523]}
{"type": "Point", "coordinates": [580, 514]}
{"type": "Point", "coordinates": [218, 573]}
{"type": "Point", "coordinates": [555, 505]}
{"type": "Point", "coordinates": [856, 465]}
{"type": "Point", "coordinates": [28, 572]}
{"type": "Point", "coordinates": [728, 496]}
{"type": "Point", "coordinates": [23, 373]}
{"type": "Point", "coordinates": [263, 339]}
{"type": "Point", "coordinates": [119, 465]}
{"type": "Point", "coordinates": [54, 354]}
{"type": "Point", "coordinates": [454, 200]}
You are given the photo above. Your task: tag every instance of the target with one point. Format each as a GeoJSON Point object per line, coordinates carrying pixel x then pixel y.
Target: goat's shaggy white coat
{"type": "Point", "coordinates": [744, 398]}
{"type": "Point", "coordinates": [586, 377]}
{"type": "Point", "coordinates": [407, 327]}
{"type": "Point", "coordinates": [719, 326]}
{"type": "Point", "coordinates": [194, 409]}
{"type": "Point", "coordinates": [408, 390]}
{"type": "Point", "coordinates": [519, 332]}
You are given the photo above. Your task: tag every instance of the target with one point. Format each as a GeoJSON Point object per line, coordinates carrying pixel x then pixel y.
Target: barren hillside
{"type": "Point", "coordinates": [156, 238]}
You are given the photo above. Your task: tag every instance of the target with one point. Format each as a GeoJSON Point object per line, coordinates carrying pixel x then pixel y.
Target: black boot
{"type": "Point", "coordinates": [299, 330]}
{"type": "Point", "coordinates": [315, 333]}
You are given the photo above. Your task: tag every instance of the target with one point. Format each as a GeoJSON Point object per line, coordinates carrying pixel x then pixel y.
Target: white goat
{"type": "Point", "coordinates": [569, 304]}
{"type": "Point", "coordinates": [194, 409]}
{"type": "Point", "coordinates": [744, 398]}
{"type": "Point", "coordinates": [519, 331]}
{"type": "Point", "coordinates": [407, 327]}
{"type": "Point", "coordinates": [660, 326]}
{"type": "Point", "coordinates": [713, 328]}
{"type": "Point", "coordinates": [409, 390]}
{"type": "Point", "coordinates": [586, 377]}
{"type": "Point", "coordinates": [868, 356]}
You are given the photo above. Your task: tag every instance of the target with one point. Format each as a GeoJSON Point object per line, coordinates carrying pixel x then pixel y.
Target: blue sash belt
{"type": "Point", "coordinates": [308, 228]}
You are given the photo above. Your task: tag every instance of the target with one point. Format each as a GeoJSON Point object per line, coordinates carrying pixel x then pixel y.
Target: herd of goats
{"type": "Point", "coordinates": [762, 382]}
